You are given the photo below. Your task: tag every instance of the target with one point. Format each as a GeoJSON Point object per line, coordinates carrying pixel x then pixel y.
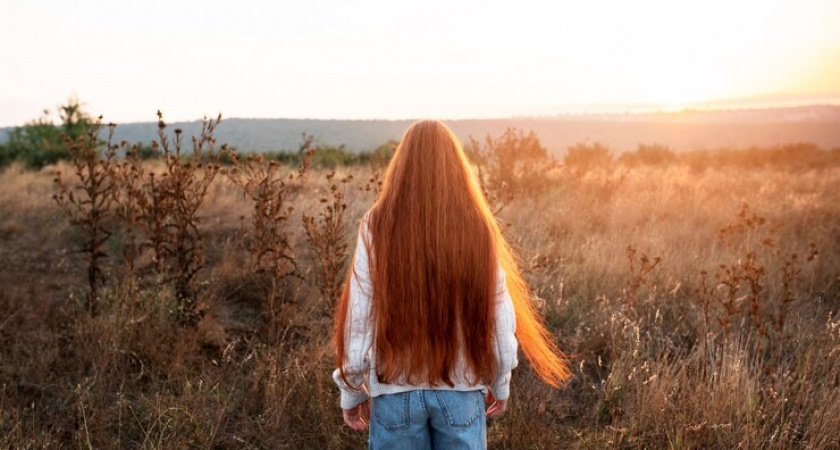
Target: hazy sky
{"type": "Point", "coordinates": [407, 59]}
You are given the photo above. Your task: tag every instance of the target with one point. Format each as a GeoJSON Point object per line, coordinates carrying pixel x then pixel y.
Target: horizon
{"type": "Point", "coordinates": [562, 115]}
{"type": "Point", "coordinates": [379, 61]}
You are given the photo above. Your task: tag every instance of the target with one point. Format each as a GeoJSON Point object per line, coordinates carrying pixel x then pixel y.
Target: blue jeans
{"type": "Point", "coordinates": [428, 419]}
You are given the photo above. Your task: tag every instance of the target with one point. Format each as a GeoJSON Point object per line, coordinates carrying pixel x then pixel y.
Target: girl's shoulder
{"type": "Point", "coordinates": [364, 228]}
{"type": "Point", "coordinates": [366, 222]}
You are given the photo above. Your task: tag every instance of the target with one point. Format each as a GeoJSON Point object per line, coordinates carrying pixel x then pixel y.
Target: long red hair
{"type": "Point", "coordinates": [434, 253]}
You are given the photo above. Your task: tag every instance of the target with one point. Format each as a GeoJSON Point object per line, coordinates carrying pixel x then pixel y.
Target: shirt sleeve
{"type": "Point", "coordinates": [357, 335]}
{"type": "Point", "coordinates": [506, 343]}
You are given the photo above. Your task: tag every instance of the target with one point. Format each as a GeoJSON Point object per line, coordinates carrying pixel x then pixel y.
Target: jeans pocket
{"type": "Point", "coordinates": [460, 408]}
{"type": "Point", "coordinates": [391, 410]}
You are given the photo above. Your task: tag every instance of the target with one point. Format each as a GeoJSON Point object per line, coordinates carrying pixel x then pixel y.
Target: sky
{"type": "Point", "coordinates": [387, 59]}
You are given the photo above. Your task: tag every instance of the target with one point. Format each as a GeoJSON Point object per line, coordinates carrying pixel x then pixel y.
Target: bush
{"type": "Point", "coordinates": [40, 142]}
{"type": "Point", "coordinates": [7, 156]}
{"type": "Point", "coordinates": [146, 152]}
{"type": "Point", "coordinates": [515, 162]}
{"type": "Point", "coordinates": [381, 156]}
{"type": "Point", "coordinates": [330, 157]}
{"type": "Point", "coordinates": [35, 144]}
{"type": "Point", "coordinates": [324, 156]}
{"type": "Point", "coordinates": [794, 156]}
{"type": "Point", "coordinates": [648, 155]}
{"type": "Point", "coordinates": [584, 157]}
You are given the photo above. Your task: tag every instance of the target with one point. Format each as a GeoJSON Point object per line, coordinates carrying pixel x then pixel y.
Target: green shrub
{"type": "Point", "coordinates": [7, 155]}
{"type": "Point", "coordinates": [330, 157]}
{"type": "Point", "coordinates": [41, 142]}
{"type": "Point", "coordinates": [381, 156]}
{"type": "Point", "coordinates": [146, 152]}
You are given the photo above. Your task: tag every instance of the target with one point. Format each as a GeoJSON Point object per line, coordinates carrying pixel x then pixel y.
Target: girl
{"type": "Point", "coordinates": [434, 306]}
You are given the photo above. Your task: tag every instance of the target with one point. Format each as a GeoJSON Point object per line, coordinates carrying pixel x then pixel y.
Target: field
{"type": "Point", "coordinates": [698, 303]}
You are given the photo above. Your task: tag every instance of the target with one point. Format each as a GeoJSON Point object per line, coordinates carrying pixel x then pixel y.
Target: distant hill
{"type": "Point", "coordinates": [683, 130]}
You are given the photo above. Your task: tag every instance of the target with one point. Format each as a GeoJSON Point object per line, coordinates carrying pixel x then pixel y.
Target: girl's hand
{"type": "Point", "coordinates": [358, 417]}
{"type": "Point", "coordinates": [497, 407]}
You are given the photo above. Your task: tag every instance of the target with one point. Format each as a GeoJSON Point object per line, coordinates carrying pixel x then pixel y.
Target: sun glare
{"type": "Point", "coordinates": [379, 59]}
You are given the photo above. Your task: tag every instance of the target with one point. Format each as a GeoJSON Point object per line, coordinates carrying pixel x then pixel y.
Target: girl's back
{"type": "Point", "coordinates": [431, 304]}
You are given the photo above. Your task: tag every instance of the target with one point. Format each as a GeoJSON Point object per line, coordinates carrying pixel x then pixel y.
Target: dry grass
{"type": "Point", "coordinates": [660, 360]}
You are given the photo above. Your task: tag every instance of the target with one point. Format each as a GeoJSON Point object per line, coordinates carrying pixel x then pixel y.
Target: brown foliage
{"type": "Point", "coordinates": [585, 157]}
{"type": "Point", "coordinates": [327, 236]}
{"type": "Point", "coordinates": [174, 209]}
{"type": "Point", "coordinates": [87, 203]}
{"type": "Point", "coordinates": [269, 188]}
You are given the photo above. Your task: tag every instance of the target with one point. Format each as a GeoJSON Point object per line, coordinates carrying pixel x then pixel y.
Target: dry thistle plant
{"type": "Point", "coordinates": [639, 274]}
{"type": "Point", "coordinates": [729, 283]}
{"type": "Point", "coordinates": [746, 222]}
{"type": "Point", "coordinates": [269, 187]}
{"type": "Point", "coordinates": [179, 194]}
{"type": "Point", "coordinates": [128, 176]}
{"type": "Point", "coordinates": [790, 274]}
{"type": "Point", "coordinates": [373, 185]}
{"type": "Point", "coordinates": [155, 203]}
{"type": "Point", "coordinates": [497, 198]}
{"type": "Point", "coordinates": [753, 272]}
{"type": "Point", "coordinates": [705, 294]}
{"type": "Point", "coordinates": [734, 284]}
{"type": "Point", "coordinates": [87, 202]}
{"type": "Point", "coordinates": [742, 280]}
{"type": "Point", "coordinates": [739, 287]}
{"type": "Point", "coordinates": [327, 238]}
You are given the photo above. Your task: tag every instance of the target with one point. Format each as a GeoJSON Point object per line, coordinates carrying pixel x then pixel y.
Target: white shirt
{"type": "Point", "coordinates": [361, 357]}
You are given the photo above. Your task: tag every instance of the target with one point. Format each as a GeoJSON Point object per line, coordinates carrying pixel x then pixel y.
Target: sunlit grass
{"type": "Point", "coordinates": [658, 361]}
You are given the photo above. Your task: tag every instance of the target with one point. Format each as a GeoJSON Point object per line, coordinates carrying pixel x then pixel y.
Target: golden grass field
{"type": "Point", "coordinates": [688, 320]}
